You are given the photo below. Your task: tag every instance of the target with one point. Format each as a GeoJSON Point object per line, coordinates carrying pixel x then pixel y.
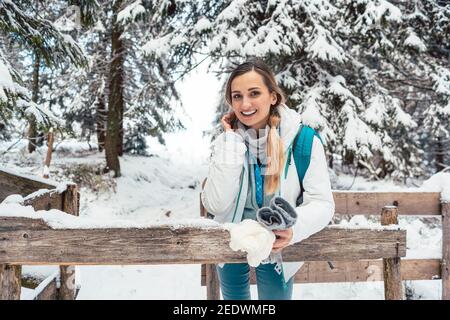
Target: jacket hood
{"type": "Point", "coordinates": [289, 124]}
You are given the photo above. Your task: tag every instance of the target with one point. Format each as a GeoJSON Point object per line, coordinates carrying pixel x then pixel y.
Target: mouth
{"type": "Point", "coordinates": [248, 113]}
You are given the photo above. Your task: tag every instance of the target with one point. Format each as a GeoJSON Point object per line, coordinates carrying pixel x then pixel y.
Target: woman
{"type": "Point", "coordinates": [248, 168]}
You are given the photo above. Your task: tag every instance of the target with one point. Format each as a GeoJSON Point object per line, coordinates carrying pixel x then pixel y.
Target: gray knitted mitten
{"type": "Point", "coordinates": [280, 215]}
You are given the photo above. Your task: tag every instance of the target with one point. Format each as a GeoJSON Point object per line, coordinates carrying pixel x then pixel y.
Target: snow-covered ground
{"type": "Point", "coordinates": [166, 188]}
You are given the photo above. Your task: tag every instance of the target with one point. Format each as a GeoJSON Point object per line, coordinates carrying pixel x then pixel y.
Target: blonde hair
{"type": "Point", "coordinates": [274, 151]}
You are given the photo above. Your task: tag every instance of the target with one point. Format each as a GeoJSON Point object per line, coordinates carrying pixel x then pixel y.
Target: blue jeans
{"type": "Point", "coordinates": [235, 282]}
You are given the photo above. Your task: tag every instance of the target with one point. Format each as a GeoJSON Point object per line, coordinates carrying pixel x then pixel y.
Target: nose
{"type": "Point", "coordinates": [246, 103]}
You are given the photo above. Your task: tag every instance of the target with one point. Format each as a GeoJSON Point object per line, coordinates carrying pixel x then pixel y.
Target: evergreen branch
{"type": "Point", "coordinates": [40, 34]}
{"type": "Point", "coordinates": [190, 69]}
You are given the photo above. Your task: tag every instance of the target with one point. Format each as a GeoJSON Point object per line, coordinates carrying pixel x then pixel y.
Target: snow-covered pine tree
{"type": "Point", "coordinates": [140, 91]}
{"type": "Point", "coordinates": [143, 85]}
{"type": "Point", "coordinates": [344, 66]}
{"type": "Point", "coordinates": [149, 27]}
{"type": "Point", "coordinates": [33, 33]}
{"type": "Point", "coordinates": [79, 94]}
{"type": "Point", "coordinates": [433, 110]}
{"type": "Point", "coordinates": [407, 48]}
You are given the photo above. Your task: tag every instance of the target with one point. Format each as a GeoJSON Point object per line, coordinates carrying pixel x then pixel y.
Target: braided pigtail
{"type": "Point", "coordinates": [275, 154]}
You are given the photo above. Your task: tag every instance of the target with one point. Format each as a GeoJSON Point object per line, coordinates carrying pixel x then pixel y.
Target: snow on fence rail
{"type": "Point", "coordinates": [32, 241]}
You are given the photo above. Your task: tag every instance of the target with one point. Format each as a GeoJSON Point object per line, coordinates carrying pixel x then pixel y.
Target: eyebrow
{"type": "Point", "coordinates": [248, 89]}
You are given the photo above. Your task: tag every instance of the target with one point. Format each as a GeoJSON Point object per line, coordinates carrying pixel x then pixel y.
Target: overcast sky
{"type": "Point", "coordinates": [199, 94]}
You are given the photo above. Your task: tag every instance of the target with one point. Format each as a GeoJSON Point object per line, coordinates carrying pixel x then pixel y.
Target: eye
{"type": "Point", "coordinates": [236, 96]}
{"type": "Point", "coordinates": [254, 93]}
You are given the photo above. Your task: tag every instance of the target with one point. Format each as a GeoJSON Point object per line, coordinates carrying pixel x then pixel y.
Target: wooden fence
{"type": "Point", "coordinates": [370, 203]}
{"type": "Point", "coordinates": [25, 241]}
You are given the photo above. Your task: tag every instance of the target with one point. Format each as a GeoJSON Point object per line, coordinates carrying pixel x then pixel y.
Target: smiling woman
{"type": "Point", "coordinates": [254, 96]}
{"type": "Point", "coordinates": [251, 99]}
{"type": "Point", "coordinates": [251, 166]}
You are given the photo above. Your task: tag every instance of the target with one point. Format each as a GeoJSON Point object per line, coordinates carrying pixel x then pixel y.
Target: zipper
{"type": "Point", "coordinates": [255, 202]}
{"type": "Point", "coordinates": [253, 176]}
{"type": "Point", "coordinates": [239, 195]}
{"type": "Point", "coordinates": [288, 162]}
{"type": "Point", "coordinates": [282, 277]}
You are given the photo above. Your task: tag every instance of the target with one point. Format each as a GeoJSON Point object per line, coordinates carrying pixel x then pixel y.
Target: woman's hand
{"type": "Point", "coordinates": [282, 240]}
{"type": "Point", "coordinates": [226, 121]}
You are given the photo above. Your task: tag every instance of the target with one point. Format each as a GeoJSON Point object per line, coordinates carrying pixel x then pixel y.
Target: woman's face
{"type": "Point", "coordinates": [251, 99]}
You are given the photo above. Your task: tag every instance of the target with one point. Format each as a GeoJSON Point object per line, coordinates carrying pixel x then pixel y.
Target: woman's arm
{"type": "Point", "coordinates": [227, 162]}
{"type": "Point", "coordinates": [317, 208]}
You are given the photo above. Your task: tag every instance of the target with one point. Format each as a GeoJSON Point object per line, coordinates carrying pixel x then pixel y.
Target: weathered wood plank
{"type": "Point", "coordinates": [371, 203]}
{"type": "Point", "coordinates": [166, 245]}
{"type": "Point", "coordinates": [50, 292]}
{"type": "Point", "coordinates": [10, 282]}
{"type": "Point", "coordinates": [70, 205]}
{"type": "Point", "coordinates": [46, 201]}
{"type": "Point", "coordinates": [67, 289]}
{"type": "Point", "coordinates": [445, 267]}
{"type": "Point", "coordinates": [358, 271]}
{"type": "Point", "coordinates": [211, 276]}
{"type": "Point", "coordinates": [213, 284]}
{"type": "Point", "coordinates": [19, 223]}
{"type": "Point", "coordinates": [391, 266]}
{"type": "Point", "coordinates": [18, 184]}
{"type": "Point", "coordinates": [421, 269]}
{"type": "Point", "coordinates": [43, 288]}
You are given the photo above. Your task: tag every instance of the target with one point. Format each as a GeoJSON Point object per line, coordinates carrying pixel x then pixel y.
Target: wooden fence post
{"type": "Point", "coordinates": [10, 282]}
{"type": "Point", "coordinates": [391, 266]}
{"type": "Point", "coordinates": [212, 283]}
{"type": "Point", "coordinates": [67, 290]}
{"type": "Point", "coordinates": [445, 263]}
{"type": "Point", "coordinates": [212, 278]}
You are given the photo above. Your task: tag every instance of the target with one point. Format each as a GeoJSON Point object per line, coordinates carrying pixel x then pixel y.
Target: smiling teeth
{"type": "Point", "coordinates": [248, 113]}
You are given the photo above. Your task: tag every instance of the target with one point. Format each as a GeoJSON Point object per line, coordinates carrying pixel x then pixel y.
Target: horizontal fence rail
{"type": "Point", "coordinates": [370, 203]}
{"type": "Point", "coordinates": [12, 183]}
{"type": "Point", "coordinates": [50, 199]}
{"type": "Point", "coordinates": [357, 271]}
{"type": "Point", "coordinates": [32, 241]}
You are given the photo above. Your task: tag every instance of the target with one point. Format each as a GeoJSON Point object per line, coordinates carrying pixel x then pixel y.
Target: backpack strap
{"type": "Point", "coordinates": [302, 151]}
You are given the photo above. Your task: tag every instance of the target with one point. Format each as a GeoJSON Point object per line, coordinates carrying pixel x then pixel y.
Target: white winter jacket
{"type": "Point", "coordinates": [225, 191]}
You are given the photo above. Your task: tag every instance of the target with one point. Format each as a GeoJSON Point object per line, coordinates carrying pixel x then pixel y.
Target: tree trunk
{"type": "Point", "coordinates": [439, 155]}
{"type": "Point", "coordinates": [115, 101]}
{"type": "Point", "coordinates": [32, 128]}
{"type": "Point", "coordinates": [32, 135]}
{"type": "Point", "coordinates": [101, 107]}
{"type": "Point", "coordinates": [445, 262]}
{"type": "Point", "coordinates": [101, 119]}
{"type": "Point", "coordinates": [120, 140]}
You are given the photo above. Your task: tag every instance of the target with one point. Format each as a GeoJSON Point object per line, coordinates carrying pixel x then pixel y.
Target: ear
{"type": "Point", "coordinates": [273, 98]}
